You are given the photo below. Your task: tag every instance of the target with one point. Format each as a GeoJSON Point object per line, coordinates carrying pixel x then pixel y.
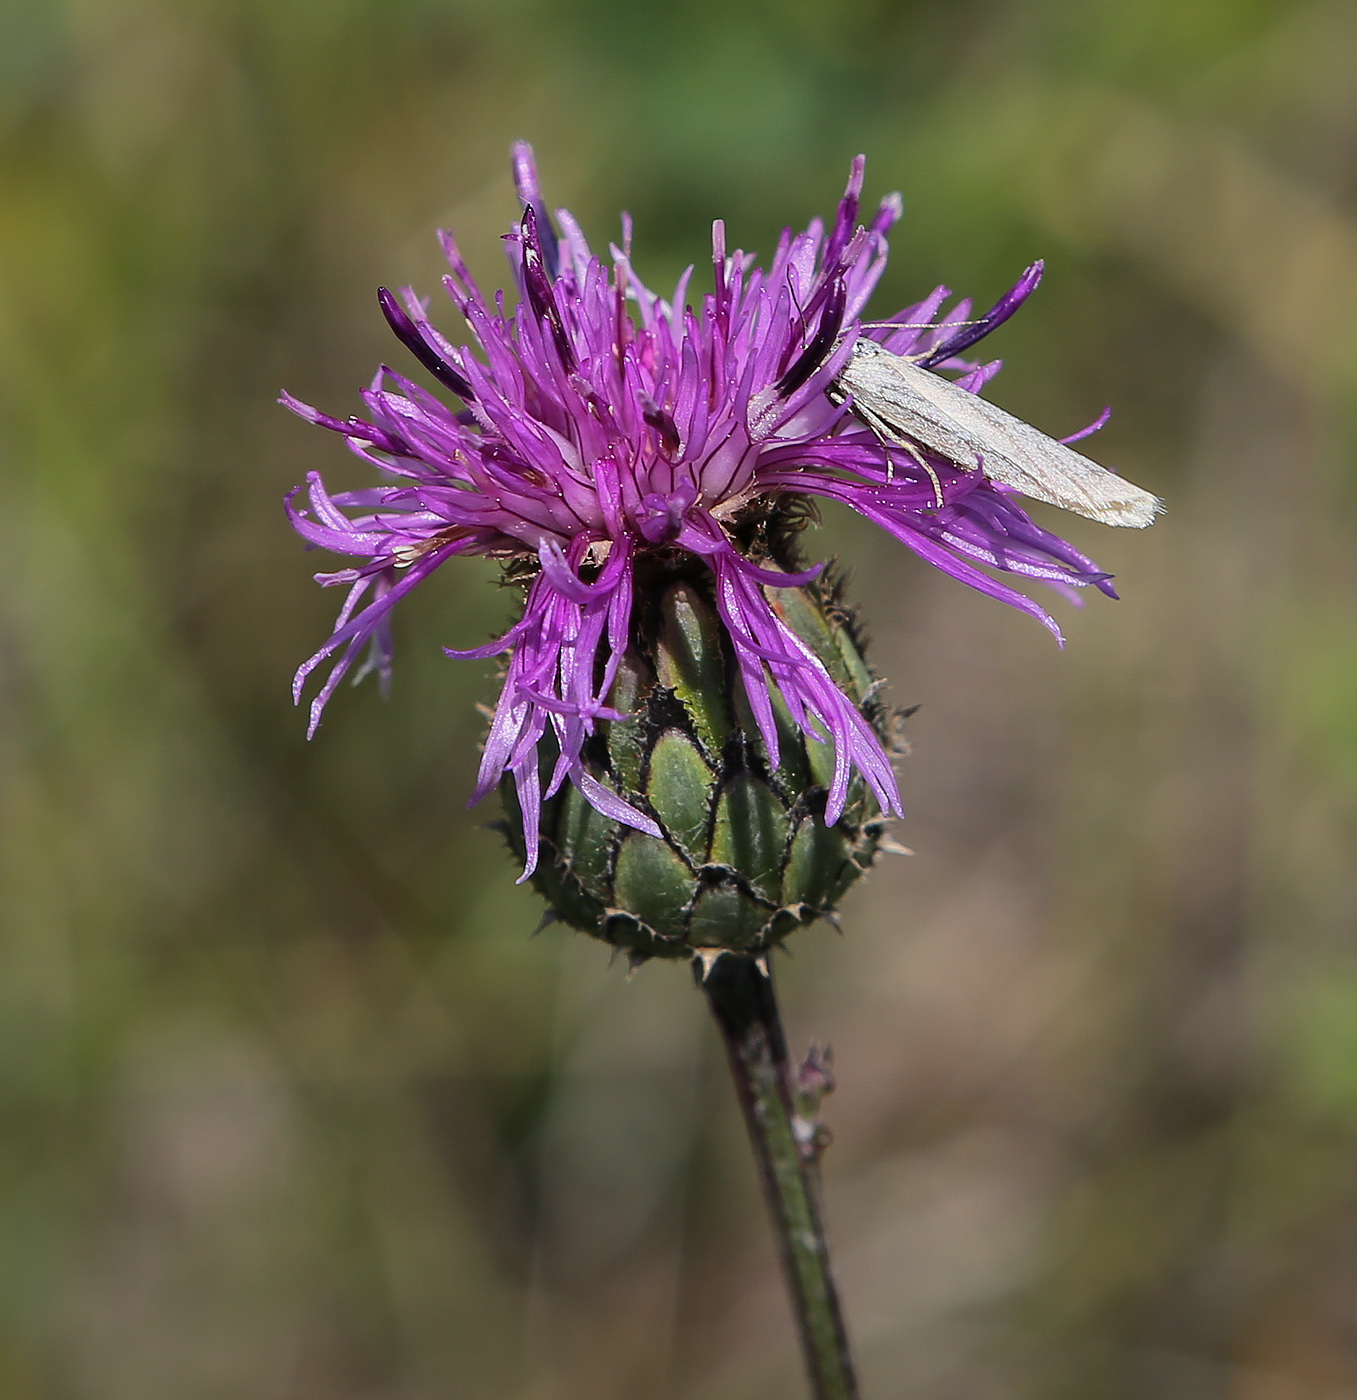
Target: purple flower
{"type": "Point", "coordinates": [600, 421]}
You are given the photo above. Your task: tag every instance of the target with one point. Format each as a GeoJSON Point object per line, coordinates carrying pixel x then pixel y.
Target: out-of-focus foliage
{"type": "Point", "coordinates": [293, 1106]}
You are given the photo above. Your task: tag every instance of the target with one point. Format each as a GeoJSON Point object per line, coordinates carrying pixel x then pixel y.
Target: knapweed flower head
{"type": "Point", "coordinates": [599, 428]}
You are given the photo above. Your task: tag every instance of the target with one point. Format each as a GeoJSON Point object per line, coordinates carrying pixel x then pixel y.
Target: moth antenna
{"type": "Point", "coordinates": [911, 325]}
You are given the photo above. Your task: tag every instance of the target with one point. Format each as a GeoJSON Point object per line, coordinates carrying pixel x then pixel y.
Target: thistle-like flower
{"type": "Point", "coordinates": [641, 464]}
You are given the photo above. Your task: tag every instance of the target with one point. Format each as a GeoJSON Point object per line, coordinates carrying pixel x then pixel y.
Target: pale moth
{"type": "Point", "coordinates": [908, 406]}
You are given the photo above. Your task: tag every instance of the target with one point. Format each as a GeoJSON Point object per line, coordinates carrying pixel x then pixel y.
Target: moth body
{"type": "Point", "coordinates": [906, 405]}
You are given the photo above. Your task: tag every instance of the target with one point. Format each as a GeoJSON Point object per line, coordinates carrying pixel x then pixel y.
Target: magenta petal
{"type": "Point", "coordinates": [596, 420]}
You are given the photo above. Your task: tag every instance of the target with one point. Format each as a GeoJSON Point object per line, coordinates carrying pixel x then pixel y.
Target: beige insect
{"type": "Point", "coordinates": [906, 405]}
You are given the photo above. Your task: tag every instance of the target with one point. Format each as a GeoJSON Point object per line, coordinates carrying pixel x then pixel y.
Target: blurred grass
{"type": "Point", "coordinates": [293, 1106]}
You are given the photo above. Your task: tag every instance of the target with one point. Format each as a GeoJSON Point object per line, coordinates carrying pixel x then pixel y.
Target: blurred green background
{"type": "Point", "coordinates": [294, 1107]}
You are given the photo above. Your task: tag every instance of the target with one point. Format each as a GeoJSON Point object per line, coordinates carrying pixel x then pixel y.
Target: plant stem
{"type": "Point", "coordinates": [740, 992]}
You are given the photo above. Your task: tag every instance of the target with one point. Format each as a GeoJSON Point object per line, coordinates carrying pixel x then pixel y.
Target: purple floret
{"type": "Point", "coordinates": [600, 421]}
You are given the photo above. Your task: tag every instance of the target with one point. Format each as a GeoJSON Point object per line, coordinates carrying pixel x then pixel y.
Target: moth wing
{"type": "Point", "coordinates": [1021, 456]}
{"type": "Point", "coordinates": [901, 410]}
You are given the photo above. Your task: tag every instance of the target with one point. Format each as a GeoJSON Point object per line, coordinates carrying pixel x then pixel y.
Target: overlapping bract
{"type": "Point", "coordinates": [600, 420]}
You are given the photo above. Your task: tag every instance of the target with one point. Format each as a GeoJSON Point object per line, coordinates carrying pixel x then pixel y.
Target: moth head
{"type": "Point", "coordinates": [863, 349]}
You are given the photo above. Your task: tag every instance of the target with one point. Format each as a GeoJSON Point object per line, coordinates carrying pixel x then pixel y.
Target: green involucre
{"type": "Point", "coordinates": [745, 857]}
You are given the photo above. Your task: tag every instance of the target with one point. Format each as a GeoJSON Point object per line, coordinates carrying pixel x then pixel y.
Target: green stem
{"type": "Point", "coordinates": [740, 992]}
